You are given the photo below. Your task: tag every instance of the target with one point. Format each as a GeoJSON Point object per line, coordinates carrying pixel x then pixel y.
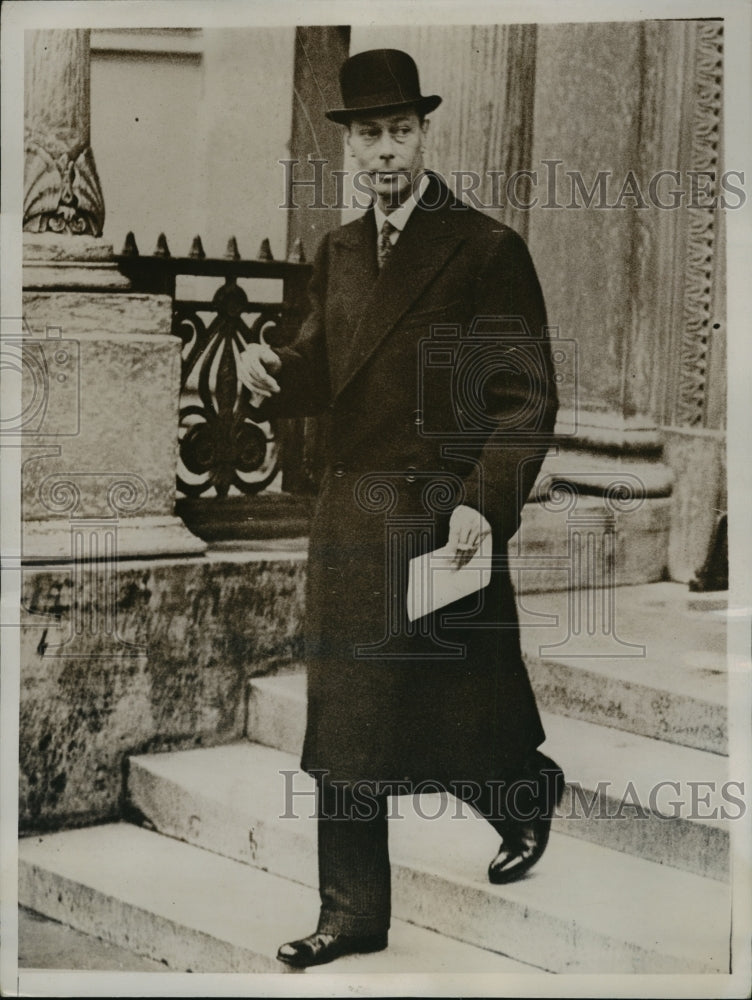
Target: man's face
{"type": "Point", "coordinates": [388, 149]}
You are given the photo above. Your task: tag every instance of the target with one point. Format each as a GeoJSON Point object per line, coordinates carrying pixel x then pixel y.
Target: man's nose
{"type": "Point", "coordinates": [386, 147]}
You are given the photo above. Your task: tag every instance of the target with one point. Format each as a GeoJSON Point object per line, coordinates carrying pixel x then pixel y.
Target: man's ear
{"type": "Point", "coordinates": [424, 126]}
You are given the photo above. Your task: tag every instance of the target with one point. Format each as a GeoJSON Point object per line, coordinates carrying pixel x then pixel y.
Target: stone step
{"type": "Point", "coordinates": [583, 908]}
{"type": "Point", "coordinates": [197, 911]}
{"type": "Point", "coordinates": [659, 670]}
{"type": "Point", "coordinates": [44, 943]}
{"type": "Point", "coordinates": [597, 693]}
{"type": "Point", "coordinates": [616, 795]}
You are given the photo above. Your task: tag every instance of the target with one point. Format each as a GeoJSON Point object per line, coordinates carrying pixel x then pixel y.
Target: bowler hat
{"type": "Point", "coordinates": [380, 80]}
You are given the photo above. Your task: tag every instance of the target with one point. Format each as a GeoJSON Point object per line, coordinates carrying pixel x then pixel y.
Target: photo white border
{"type": "Point", "coordinates": [18, 15]}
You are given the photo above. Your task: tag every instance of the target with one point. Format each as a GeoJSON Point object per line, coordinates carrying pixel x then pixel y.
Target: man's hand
{"type": "Point", "coordinates": [256, 367]}
{"type": "Point", "coordinates": [467, 528]}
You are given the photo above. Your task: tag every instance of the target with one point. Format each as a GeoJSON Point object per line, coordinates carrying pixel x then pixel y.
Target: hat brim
{"type": "Point", "coordinates": [423, 105]}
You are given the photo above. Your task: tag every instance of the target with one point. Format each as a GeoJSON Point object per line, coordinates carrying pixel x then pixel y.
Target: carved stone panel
{"type": "Point", "coordinates": [701, 319]}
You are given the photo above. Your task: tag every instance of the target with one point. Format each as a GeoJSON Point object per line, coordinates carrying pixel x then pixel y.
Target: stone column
{"type": "Point", "coordinates": [693, 264]}
{"type": "Point", "coordinates": [600, 109]}
{"type": "Point", "coordinates": [101, 370]}
{"type": "Point", "coordinates": [244, 126]}
{"type": "Point", "coordinates": [62, 193]}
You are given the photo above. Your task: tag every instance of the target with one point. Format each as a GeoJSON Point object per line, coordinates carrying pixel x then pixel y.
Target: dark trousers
{"type": "Point", "coordinates": [353, 847]}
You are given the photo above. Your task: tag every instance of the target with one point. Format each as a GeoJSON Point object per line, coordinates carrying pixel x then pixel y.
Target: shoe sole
{"type": "Point", "coordinates": [333, 958]}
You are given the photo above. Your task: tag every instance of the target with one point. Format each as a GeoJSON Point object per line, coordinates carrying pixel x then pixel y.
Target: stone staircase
{"type": "Point", "coordinates": [218, 873]}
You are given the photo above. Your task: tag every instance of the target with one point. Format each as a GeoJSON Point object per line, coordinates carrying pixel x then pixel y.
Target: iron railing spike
{"type": "Point", "coordinates": [232, 252]}
{"type": "Point", "coordinates": [297, 254]}
{"type": "Point", "coordinates": [162, 250]}
{"type": "Point", "coordinates": [129, 247]}
{"type": "Point", "coordinates": [265, 250]}
{"type": "Point", "coordinates": [197, 249]}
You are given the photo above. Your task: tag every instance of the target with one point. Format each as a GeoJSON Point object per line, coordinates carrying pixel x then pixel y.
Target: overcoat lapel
{"type": "Point", "coordinates": [353, 271]}
{"type": "Point", "coordinates": [423, 249]}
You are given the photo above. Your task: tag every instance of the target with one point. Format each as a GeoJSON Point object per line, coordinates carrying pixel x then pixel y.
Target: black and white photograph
{"type": "Point", "coordinates": [376, 563]}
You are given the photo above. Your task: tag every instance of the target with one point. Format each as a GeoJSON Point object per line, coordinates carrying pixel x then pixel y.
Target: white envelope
{"type": "Point", "coordinates": [433, 582]}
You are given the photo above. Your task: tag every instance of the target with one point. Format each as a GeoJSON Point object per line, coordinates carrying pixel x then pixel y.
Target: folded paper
{"type": "Point", "coordinates": [434, 581]}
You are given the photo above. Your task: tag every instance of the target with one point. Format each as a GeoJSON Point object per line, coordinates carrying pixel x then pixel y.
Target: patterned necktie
{"type": "Point", "coordinates": [384, 246]}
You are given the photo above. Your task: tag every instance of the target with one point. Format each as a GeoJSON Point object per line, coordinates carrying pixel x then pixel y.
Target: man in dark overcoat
{"type": "Point", "coordinates": [425, 350]}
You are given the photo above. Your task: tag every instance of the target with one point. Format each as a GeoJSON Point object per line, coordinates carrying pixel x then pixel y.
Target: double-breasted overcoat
{"type": "Point", "coordinates": [435, 381]}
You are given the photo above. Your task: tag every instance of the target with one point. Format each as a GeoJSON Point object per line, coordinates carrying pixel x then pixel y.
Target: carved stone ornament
{"type": "Point", "coordinates": [701, 237]}
{"type": "Point", "coordinates": [62, 195]}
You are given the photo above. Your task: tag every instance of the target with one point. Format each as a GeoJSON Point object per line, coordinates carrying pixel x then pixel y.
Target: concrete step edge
{"type": "Point", "coordinates": [449, 876]}
{"type": "Point", "coordinates": [196, 911]}
{"type": "Point", "coordinates": [608, 771]}
{"type": "Point", "coordinates": [658, 713]}
{"type": "Point", "coordinates": [568, 688]}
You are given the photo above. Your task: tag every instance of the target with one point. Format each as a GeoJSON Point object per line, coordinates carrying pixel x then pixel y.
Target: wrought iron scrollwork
{"type": "Point", "coordinates": [223, 441]}
{"type": "Point", "coordinates": [228, 452]}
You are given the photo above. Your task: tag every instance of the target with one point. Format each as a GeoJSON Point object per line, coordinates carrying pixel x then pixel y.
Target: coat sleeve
{"type": "Point", "coordinates": [518, 388]}
{"type": "Point", "coordinates": [304, 376]}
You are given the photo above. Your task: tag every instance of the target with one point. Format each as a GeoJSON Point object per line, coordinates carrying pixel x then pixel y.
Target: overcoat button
{"type": "Point", "coordinates": [339, 470]}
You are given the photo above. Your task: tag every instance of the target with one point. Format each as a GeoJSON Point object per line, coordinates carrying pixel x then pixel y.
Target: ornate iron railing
{"type": "Point", "coordinates": [238, 475]}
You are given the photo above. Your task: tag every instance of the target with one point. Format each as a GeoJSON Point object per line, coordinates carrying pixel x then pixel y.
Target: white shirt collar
{"type": "Point", "coordinates": [398, 218]}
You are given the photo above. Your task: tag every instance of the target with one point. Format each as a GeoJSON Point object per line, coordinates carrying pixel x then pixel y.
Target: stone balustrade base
{"type": "Point", "coordinates": [132, 537]}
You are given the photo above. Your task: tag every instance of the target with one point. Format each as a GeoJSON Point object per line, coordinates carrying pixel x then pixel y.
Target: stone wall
{"type": "Point", "coordinates": [163, 665]}
{"type": "Point", "coordinates": [188, 127]}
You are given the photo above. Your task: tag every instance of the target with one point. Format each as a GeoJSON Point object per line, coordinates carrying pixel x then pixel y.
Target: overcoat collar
{"type": "Point", "coordinates": [423, 249]}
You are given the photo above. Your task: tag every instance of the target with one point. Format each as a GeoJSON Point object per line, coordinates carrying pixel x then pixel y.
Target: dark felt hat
{"type": "Point", "coordinates": [380, 80]}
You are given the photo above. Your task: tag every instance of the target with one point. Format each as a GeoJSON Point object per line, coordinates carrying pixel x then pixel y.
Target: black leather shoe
{"type": "Point", "coordinates": [520, 849]}
{"type": "Point", "coordinates": [319, 948]}
{"type": "Point", "coordinates": [524, 841]}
